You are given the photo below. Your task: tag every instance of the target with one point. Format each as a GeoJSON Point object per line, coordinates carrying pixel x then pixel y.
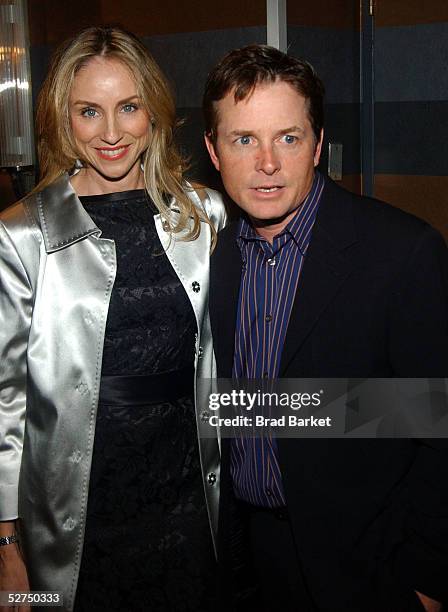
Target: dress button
{"type": "Point", "coordinates": [196, 286]}
{"type": "Point", "coordinates": [211, 478]}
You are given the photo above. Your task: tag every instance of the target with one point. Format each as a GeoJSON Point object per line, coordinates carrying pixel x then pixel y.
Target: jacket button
{"type": "Point", "coordinates": [69, 524]}
{"type": "Point", "coordinates": [205, 416]}
{"type": "Point", "coordinates": [196, 286]}
{"type": "Point", "coordinates": [76, 456]}
{"type": "Point", "coordinates": [82, 388]}
{"type": "Point", "coordinates": [211, 478]}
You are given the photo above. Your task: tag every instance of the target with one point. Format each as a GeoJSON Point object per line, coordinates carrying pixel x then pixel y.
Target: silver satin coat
{"type": "Point", "coordinates": [56, 278]}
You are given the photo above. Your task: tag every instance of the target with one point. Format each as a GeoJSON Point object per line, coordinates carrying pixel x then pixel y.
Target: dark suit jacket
{"type": "Point", "coordinates": [370, 517]}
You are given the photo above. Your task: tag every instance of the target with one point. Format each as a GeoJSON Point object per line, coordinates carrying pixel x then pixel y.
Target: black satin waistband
{"type": "Point", "coordinates": [127, 390]}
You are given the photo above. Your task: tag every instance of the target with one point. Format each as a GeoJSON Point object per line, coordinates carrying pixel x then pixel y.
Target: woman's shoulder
{"type": "Point", "coordinates": [211, 203]}
{"type": "Point", "coordinates": [21, 215]}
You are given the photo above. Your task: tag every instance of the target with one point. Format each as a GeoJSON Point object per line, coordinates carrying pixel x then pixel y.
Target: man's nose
{"type": "Point", "coordinates": [112, 132]}
{"type": "Point", "coordinates": [268, 160]}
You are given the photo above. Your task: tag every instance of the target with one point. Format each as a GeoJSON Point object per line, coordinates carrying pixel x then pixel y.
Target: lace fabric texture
{"type": "Point", "coordinates": [147, 541]}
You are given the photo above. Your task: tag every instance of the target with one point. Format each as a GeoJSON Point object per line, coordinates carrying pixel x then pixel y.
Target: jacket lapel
{"type": "Point", "coordinates": [225, 277]}
{"type": "Point", "coordinates": [329, 261]}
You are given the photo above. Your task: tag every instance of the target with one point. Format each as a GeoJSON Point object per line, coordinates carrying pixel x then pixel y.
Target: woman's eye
{"type": "Point", "coordinates": [89, 112]}
{"type": "Point", "coordinates": [244, 140]}
{"type": "Point", "coordinates": [129, 108]}
{"type": "Point", "coordinates": [289, 139]}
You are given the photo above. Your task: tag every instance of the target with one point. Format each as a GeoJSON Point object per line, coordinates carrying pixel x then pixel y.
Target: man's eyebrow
{"type": "Point", "coordinates": [288, 130]}
{"type": "Point", "coordinates": [241, 133]}
{"type": "Point", "coordinates": [293, 128]}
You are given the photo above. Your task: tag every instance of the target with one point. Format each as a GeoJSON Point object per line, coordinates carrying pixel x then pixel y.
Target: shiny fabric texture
{"type": "Point", "coordinates": [56, 278]}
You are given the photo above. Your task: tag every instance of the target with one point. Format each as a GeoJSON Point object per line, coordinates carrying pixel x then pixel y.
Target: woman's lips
{"type": "Point", "coordinates": [112, 153]}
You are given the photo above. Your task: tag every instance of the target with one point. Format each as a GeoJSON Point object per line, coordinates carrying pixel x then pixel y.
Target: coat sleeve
{"type": "Point", "coordinates": [419, 348]}
{"type": "Point", "coordinates": [16, 298]}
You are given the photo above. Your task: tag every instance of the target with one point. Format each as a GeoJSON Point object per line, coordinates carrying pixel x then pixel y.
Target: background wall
{"type": "Point", "coordinates": [326, 33]}
{"type": "Point", "coordinates": [185, 38]}
{"type": "Point", "coordinates": [411, 77]}
{"type": "Point", "coordinates": [411, 110]}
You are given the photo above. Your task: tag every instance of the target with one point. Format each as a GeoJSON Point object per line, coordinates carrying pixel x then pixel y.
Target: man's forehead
{"type": "Point", "coordinates": [277, 105]}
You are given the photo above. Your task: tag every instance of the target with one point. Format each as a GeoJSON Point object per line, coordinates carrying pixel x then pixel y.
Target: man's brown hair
{"type": "Point", "coordinates": [241, 70]}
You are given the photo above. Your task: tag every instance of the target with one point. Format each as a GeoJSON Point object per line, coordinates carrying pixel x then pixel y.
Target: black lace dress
{"type": "Point", "coordinates": [147, 541]}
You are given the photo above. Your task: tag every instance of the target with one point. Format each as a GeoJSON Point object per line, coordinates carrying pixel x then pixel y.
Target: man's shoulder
{"type": "Point", "coordinates": [376, 219]}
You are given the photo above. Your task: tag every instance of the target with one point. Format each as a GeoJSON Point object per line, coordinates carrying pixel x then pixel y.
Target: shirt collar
{"type": "Point", "coordinates": [300, 225]}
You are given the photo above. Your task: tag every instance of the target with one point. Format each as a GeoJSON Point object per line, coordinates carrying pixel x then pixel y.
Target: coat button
{"type": "Point", "coordinates": [205, 416]}
{"type": "Point", "coordinates": [211, 478]}
{"type": "Point", "coordinates": [196, 286]}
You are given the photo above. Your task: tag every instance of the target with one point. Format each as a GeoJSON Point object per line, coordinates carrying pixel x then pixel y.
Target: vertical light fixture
{"type": "Point", "coordinates": [276, 24]}
{"type": "Point", "coordinates": [16, 117]}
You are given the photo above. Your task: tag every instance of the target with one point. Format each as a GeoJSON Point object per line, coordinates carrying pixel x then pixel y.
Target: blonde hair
{"type": "Point", "coordinates": [163, 166]}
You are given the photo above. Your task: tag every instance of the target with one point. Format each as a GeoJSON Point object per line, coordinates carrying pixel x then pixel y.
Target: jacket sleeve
{"type": "Point", "coordinates": [418, 330]}
{"type": "Point", "coordinates": [419, 348]}
{"type": "Point", "coordinates": [15, 318]}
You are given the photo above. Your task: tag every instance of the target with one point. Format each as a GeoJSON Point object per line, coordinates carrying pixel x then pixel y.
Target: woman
{"type": "Point", "coordinates": [103, 331]}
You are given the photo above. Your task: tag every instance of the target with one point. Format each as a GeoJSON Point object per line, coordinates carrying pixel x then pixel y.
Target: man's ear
{"type": "Point", "coordinates": [211, 151]}
{"type": "Point", "coordinates": [318, 149]}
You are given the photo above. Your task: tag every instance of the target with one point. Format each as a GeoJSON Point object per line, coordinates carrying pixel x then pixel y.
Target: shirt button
{"type": "Point", "coordinates": [269, 492]}
{"type": "Point", "coordinates": [196, 286]}
{"type": "Point", "coordinates": [268, 318]}
{"type": "Point", "coordinates": [271, 261]}
{"type": "Point", "coordinates": [265, 374]}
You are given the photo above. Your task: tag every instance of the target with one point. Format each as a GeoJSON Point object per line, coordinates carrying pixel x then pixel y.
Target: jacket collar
{"type": "Point", "coordinates": [64, 220]}
{"type": "Point", "coordinates": [62, 216]}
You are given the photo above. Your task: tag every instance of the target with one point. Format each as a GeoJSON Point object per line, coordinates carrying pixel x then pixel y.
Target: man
{"type": "Point", "coordinates": [313, 281]}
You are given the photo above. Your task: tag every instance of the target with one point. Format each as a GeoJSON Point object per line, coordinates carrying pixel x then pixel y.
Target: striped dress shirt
{"type": "Point", "coordinates": [269, 280]}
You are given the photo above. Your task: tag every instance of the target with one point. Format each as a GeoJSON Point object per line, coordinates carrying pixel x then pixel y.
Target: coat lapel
{"type": "Point", "coordinates": [329, 261]}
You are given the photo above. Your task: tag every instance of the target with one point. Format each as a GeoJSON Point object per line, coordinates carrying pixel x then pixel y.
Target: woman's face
{"type": "Point", "coordinates": [109, 124]}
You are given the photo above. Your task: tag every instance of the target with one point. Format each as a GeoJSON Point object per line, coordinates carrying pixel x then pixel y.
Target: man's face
{"type": "Point", "coordinates": [266, 152]}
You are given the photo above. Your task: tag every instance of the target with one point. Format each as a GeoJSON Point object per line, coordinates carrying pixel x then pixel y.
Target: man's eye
{"type": "Point", "coordinates": [129, 108]}
{"type": "Point", "coordinates": [244, 140]}
{"type": "Point", "coordinates": [289, 139]}
{"type": "Point", "coordinates": [89, 112]}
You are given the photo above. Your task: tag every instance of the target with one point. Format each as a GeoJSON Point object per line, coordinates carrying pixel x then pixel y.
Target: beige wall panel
{"type": "Point", "coordinates": [410, 12]}
{"type": "Point", "coordinates": [423, 196]}
{"type": "Point", "coordinates": [149, 17]}
{"type": "Point", "coordinates": [324, 13]}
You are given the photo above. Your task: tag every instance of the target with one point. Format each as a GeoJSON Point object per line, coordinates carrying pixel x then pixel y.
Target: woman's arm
{"type": "Point", "coordinates": [15, 319]}
{"type": "Point", "coordinates": [13, 576]}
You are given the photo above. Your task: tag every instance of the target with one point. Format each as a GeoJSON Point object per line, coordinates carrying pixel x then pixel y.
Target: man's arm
{"type": "Point", "coordinates": [419, 348]}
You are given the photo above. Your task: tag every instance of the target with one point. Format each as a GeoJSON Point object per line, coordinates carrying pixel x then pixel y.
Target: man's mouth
{"type": "Point", "coordinates": [268, 188]}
